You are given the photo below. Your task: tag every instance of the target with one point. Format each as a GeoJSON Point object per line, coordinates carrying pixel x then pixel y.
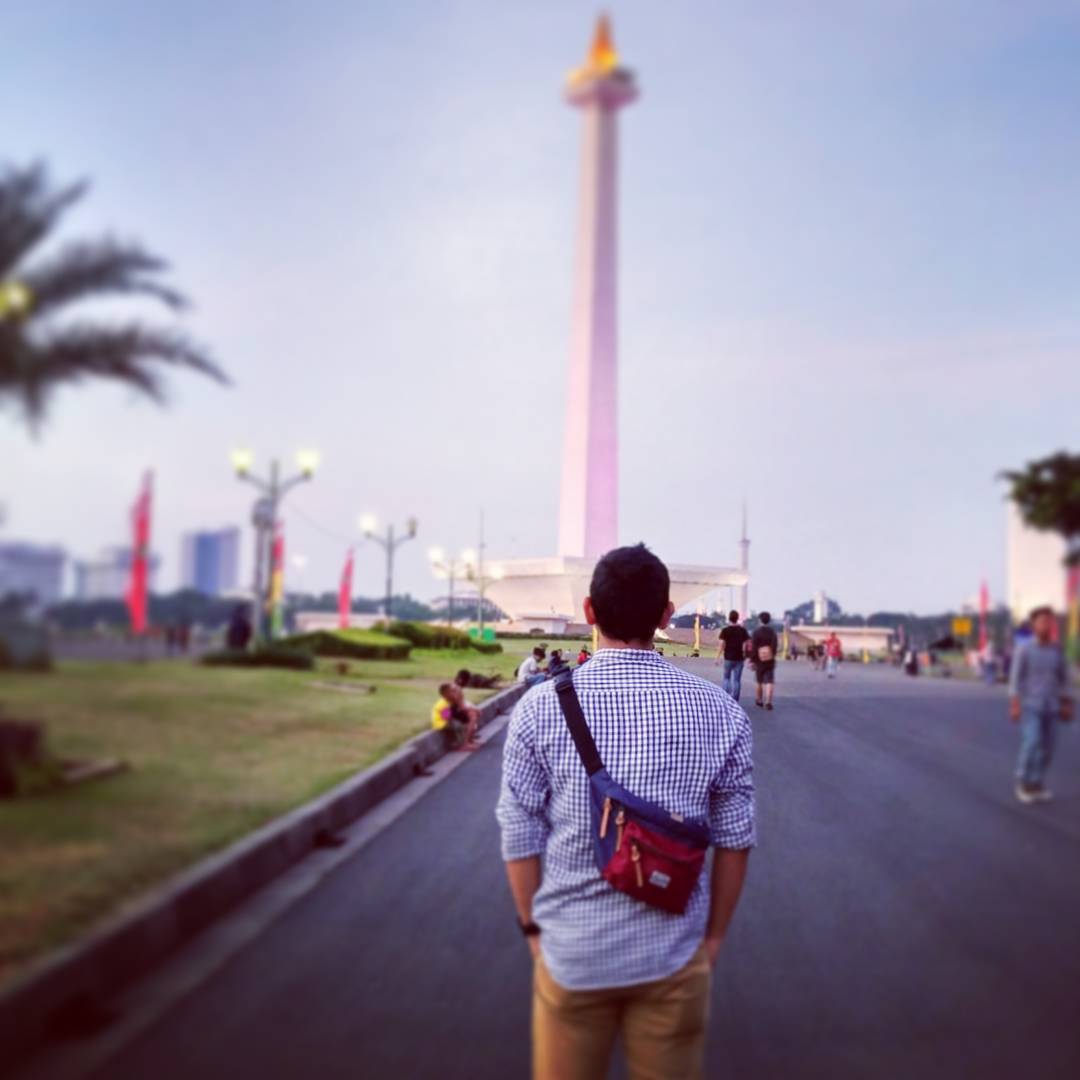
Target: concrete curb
{"type": "Point", "coordinates": [143, 935]}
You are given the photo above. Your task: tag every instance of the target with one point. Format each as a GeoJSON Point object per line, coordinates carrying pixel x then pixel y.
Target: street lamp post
{"type": "Point", "coordinates": [481, 578]}
{"type": "Point", "coordinates": [389, 543]}
{"type": "Point", "coordinates": [451, 569]}
{"type": "Point", "coordinates": [264, 517]}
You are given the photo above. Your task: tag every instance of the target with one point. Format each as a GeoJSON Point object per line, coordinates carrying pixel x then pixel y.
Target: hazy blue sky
{"type": "Point", "coordinates": [849, 273]}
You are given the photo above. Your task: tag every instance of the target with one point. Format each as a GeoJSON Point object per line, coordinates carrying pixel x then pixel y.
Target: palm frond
{"type": "Point", "coordinates": [133, 354]}
{"type": "Point", "coordinates": [86, 270]}
{"type": "Point", "coordinates": [29, 208]}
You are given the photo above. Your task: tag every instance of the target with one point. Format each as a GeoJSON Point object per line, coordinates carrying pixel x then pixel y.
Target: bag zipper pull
{"type": "Point", "coordinates": [620, 821]}
{"type": "Point", "coordinates": [635, 857]}
{"type": "Point", "coordinates": [604, 818]}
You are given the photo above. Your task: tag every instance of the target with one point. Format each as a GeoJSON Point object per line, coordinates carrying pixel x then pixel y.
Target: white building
{"type": "Point", "coordinates": [1034, 567]}
{"type": "Point", "coordinates": [33, 569]}
{"type": "Point", "coordinates": [108, 576]}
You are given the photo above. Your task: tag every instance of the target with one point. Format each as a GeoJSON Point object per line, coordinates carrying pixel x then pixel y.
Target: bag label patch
{"type": "Point", "coordinates": [659, 879]}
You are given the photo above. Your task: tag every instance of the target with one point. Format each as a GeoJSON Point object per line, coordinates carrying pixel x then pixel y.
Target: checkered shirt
{"type": "Point", "coordinates": [667, 736]}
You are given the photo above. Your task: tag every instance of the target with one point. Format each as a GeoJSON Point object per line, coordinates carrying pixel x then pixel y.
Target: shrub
{"type": "Point", "coordinates": [352, 644]}
{"type": "Point", "coordinates": [434, 636]}
{"type": "Point", "coordinates": [279, 656]}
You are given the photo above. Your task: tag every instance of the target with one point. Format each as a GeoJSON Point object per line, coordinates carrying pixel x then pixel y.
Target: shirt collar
{"type": "Point", "coordinates": [626, 656]}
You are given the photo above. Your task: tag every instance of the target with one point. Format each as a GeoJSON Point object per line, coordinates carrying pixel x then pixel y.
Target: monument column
{"type": "Point", "coordinates": [588, 519]}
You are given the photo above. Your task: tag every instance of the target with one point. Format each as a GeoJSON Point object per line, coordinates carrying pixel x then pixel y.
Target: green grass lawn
{"type": "Point", "coordinates": [215, 753]}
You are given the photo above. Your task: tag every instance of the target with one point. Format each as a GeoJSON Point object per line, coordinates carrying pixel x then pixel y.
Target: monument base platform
{"type": "Point", "coordinates": [552, 590]}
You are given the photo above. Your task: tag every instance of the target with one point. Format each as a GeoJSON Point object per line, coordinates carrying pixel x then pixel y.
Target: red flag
{"type": "Point", "coordinates": [344, 600]}
{"type": "Point", "coordinates": [140, 556]}
{"type": "Point", "coordinates": [984, 607]}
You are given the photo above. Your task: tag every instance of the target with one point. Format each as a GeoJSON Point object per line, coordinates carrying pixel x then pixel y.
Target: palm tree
{"type": "Point", "coordinates": [1047, 493]}
{"type": "Point", "coordinates": [40, 348]}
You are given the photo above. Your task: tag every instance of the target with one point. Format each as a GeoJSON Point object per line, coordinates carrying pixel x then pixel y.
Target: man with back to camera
{"type": "Point", "coordinates": [763, 646]}
{"type": "Point", "coordinates": [1038, 698]}
{"type": "Point", "coordinates": [733, 641]}
{"type": "Point", "coordinates": [607, 964]}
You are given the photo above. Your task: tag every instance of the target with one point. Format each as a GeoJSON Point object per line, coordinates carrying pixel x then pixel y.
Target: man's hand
{"type": "Point", "coordinates": [712, 947]}
{"type": "Point", "coordinates": [1067, 708]}
{"type": "Point", "coordinates": [1014, 709]}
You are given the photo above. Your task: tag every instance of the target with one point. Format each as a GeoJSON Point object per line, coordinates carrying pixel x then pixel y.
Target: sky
{"type": "Point", "coordinates": [848, 277]}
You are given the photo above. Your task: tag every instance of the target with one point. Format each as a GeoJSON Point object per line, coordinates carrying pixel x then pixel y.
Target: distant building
{"type": "Point", "coordinates": [32, 569]}
{"type": "Point", "coordinates": [107, 577]}
{"type": "Point", "coordinates": [1035, 567]}
{"type": "Point", "coordinates": [853, 639]}
{"type": "Point", "coordinates": [210, 561]}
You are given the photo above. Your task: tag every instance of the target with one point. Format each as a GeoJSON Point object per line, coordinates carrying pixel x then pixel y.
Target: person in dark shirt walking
{"type": "Point", "coordinates": [763, 646]}
{"type": "Point", "coordinates": [733, 642]}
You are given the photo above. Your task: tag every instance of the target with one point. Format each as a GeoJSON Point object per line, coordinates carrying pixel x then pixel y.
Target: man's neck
{"type": "Point", "coordinates": [614, 643]}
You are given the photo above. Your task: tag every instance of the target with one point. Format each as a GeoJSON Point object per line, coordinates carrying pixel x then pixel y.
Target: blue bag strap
{"type": "Point", "coordinates": [575, 721]}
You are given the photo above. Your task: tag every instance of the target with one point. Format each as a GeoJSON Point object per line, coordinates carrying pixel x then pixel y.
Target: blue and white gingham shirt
{"type": "Point", "coordinates": [669, 737]}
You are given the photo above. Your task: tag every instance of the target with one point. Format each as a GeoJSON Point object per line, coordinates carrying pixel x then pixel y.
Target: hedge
{"type": "Point", "coordinates": [353, 644]}
{"type": "Point", "coordinates": [434, 636]}
{"type": "Point", "coordinates": [280, 656]}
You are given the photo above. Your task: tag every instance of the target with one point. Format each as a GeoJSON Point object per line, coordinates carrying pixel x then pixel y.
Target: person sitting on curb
{"type": "Point", "coordinates": [458, 720]}
{"type": "Point", "coordinates": [530, 672]}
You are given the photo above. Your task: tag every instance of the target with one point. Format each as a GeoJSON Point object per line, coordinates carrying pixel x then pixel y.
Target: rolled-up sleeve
{"type": "Point", "coordinates": [525, 791]}
{"type": "Point", "coordinates": [731, 795]}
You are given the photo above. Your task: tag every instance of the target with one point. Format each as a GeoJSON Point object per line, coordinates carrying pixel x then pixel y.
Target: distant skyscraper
{"type": "Point", "coordinates": [32, 569]}
{"type": "Point", "coordinates": [589, 513]}
{"type": "Point", "coordinates": [108, 576]}
{"type": "Point", "coordinates": [821, 606]}
{"type": "Point", "coordinates": [210, 561]}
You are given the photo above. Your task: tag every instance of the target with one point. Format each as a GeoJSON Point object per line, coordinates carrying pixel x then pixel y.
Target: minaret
{"type": "Point", "coordinates": [588, 518]}
{"type": "Point", "coordinates": [744, 565]}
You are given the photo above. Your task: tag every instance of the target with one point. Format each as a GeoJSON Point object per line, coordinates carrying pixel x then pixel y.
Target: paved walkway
{"type": "Point", "coordinates": [904, 917]}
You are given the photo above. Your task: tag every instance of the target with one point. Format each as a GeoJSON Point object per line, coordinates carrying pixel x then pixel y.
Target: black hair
{"type": "Point", "coordinates": [462, 677]}
{"type": "Point", "coordinates": [540, 652]}
{"type": "Point", "coordinates": [1042, 609]}
{"type": "Point", "coordinates": [732, 616]}
{"type": "Point", "coordinates": [764, 618]}
{"type": "Point", "coordinates": [629, 593]}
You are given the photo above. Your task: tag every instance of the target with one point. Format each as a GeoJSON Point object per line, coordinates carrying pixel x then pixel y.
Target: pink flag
{"type": "Point", "coordinates": [984, 608]}
{"type": "Point", "coordinates": [137, 592]}
{"type": "Point", "coordinates": [345, 592]}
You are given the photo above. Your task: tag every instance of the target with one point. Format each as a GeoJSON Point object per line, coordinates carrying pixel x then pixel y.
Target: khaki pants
{"type": "Point", "coordinates": [662, 1026]}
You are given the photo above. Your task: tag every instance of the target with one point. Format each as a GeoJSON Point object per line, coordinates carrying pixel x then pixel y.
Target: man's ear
{"type": "Point", "coordinates": [666, 617]}
{"type": "Point", "coordinates": [590, 614]}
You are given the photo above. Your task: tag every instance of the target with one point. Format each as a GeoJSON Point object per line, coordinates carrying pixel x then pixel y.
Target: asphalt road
{"type": "Point", "coordinates": [903, 917]}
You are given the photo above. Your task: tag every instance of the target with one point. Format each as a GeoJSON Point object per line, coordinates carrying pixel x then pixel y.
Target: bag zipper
{"type": "Point", "coordinates": [663, 854]}
{"type": "Point", "coordinates": [635, 858]}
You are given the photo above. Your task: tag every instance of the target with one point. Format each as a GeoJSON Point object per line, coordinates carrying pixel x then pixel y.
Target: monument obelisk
{"type": "Point", "coordinates": [544, 595]}
{"type": "Point", "coordinates": [589, 508]}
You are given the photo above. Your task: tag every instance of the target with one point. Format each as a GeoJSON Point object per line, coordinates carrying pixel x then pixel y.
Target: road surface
{"type": "Point", "coordinates": [904, 917]}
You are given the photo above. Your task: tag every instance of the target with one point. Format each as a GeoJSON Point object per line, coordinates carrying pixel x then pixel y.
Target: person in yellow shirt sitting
{"type": "Point", "coordinates": [450, 714]}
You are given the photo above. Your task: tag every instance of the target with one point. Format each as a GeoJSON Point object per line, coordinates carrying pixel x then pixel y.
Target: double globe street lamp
{"type": "Point", "coordinates": [451, 569]}
{"type": "Point", "coordinates": [264, 517]}
{"type": "Point", "coordinates": [389, 542]}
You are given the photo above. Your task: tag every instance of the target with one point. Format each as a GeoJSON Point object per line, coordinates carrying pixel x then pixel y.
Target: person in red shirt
{"type": "Point", "coordinates": [834, 653]}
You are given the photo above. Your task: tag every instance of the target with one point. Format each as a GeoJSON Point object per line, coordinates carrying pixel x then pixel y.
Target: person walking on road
{"type": "Point", "coordinates": [834, 652]}
{"type": "Point", "coordinates": [734, 640]}
{"type": "Point", "coordinates": [613, 956]}
{"type": "Point", "coordinates": [763, 646]}
{"type": "Point", "coordinates": [1038, 698]}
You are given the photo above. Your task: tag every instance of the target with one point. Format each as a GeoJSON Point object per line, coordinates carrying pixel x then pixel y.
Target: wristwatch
{"type": "Point", "coordinates": [529, 929]}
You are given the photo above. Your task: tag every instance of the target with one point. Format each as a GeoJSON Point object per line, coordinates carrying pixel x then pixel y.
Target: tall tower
{"type": "Point", "coordinates": [589, 510]}
{"type": "Point", "coordinates": [744, 565]}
